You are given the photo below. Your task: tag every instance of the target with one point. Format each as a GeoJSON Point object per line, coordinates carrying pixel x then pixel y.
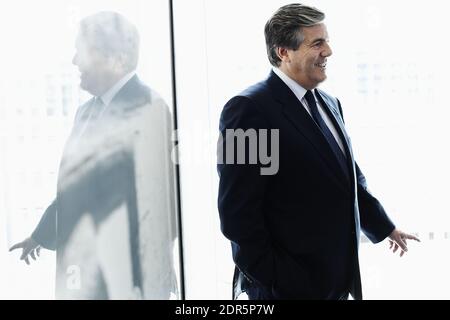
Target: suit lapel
{"type": "Point", "coordinates": [335, 117]}
{"type": "Point", "coordinates": [296, 113]}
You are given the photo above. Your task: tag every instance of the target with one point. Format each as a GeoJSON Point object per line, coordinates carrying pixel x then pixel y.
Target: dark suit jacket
{"type": "Point", "coordinates": [132, 95]}
{"type": "Point", "coordinates": [295, 234]}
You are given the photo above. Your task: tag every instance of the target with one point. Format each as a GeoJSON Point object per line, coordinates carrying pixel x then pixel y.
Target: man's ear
{"type": "Point", "coordinates": [117, 63]}
{"type": "Point", "coordinates": [283, 54]}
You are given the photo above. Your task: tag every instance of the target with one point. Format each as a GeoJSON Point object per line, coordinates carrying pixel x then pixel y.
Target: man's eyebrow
{"type": "Point", "coordinates": [318, 40]}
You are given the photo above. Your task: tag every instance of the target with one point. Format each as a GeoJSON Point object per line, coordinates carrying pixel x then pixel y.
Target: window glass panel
{"type": "Point", "coordinates": [86, 118]}
{"type": "Point", "coordinates": [392, 87]}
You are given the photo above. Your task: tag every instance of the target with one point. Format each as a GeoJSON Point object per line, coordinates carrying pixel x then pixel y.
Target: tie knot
{"type": "Point", "coordinates": [98, 102]}
{"type": "Point", "coordinates": [309, 96]}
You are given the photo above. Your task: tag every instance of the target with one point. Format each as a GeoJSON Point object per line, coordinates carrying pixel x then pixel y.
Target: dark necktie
{"type": "Point", "coordinates": [326, 132]}
{"type": "Point", "coordinates": [96, 109]}
{"type": "Point", "coordinates": [89, 119]}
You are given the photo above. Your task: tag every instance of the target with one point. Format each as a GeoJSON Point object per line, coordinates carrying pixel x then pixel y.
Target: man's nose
{"type": "Point", "coordinates": [74, 60]}
{"type": "Point", "coordinates": [327, 51]}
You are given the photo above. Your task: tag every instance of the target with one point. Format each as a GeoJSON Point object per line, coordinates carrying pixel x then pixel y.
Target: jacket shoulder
{"type": "Point", "coordinates": [247, 109]}
{"type": "Point", "coordinates": [259, 92]}
{"type": "Point", "coordinates": [255, 97]}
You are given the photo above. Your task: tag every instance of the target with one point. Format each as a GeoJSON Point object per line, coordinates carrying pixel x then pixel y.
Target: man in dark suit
{"type": "Point", "coordinates": [295, 232]}
{"type": "Point", "coordinates": [115, 160]}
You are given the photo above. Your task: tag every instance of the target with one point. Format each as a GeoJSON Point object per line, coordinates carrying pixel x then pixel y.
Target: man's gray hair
{"type": "Point", "coordinates": [113, 35]}
{"type": "Point", "coordinates": [284, 28]}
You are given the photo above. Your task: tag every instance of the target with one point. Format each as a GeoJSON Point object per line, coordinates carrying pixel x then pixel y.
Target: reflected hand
{"type": "Point", "coordinates": [398, 238]}
{"type": "Point", "coordinates": [29, 248]}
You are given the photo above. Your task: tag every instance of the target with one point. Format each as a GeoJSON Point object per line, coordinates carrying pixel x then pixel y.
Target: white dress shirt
{"type": "Point", "coordinates": [106, 98]}
{"type": "Point", "coordinates": [300, 92]}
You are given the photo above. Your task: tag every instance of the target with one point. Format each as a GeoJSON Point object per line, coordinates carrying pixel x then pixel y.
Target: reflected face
{"type": "Point", "coordinates": [307, 64]}
{"type": "Point", "coordinates": [97, 70]}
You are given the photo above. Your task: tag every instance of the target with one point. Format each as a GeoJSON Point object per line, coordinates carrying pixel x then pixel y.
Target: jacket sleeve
{"type": "Point", "coordinates": [45, 232]}
{"type": "Point", "coordinates": [375, 223]}
{"type": "Point", "coordinates": [242, 190]}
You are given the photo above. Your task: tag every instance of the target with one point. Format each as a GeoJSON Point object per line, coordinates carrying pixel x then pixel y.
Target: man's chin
{"type": "Point", "coordinates": [85, 87]}
{"type": "Point", "coordinates": [321, 78]}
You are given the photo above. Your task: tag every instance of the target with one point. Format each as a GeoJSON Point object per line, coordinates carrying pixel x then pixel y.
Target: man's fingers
{"type": "Point", "coordinates": [395, 247]}
{"type": "Point", "coordinates": [410, 236]}
{"type": "Point", "coordinates": [402, 244]}
{"type": "Point", "coordinates": [24, 254]}
{"type": "Point", "coordinates": [29, 248]}
{"type": "Point", "coordinates": [38, 251]}
{"type": "Point", "coordinates": [16, 246]}
{"type": "Point", "coordinates": [398, 239]}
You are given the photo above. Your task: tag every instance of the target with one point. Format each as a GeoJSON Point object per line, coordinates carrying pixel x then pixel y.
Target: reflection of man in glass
{"type": "Point", "coordinates": [112, 220]}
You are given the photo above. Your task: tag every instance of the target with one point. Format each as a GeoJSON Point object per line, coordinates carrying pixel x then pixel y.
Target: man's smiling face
{"type": "Point", "coordinates": [307, 64]}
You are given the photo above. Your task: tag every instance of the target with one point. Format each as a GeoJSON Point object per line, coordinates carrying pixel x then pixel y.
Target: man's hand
{"type": "Point", "coordinates": [29, 247]}
{"type": "Point", "coordinates": [398, 239]}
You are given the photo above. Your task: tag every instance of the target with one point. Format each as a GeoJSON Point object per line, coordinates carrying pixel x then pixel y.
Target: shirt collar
{"type": "Point", "coordinates": [111, 93]}
{"type": "Point", "coordinates": [297, 89]}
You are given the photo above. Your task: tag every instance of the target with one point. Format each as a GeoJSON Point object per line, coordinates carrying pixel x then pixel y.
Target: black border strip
{"type": "Point", "coordinates": [177, 168]}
